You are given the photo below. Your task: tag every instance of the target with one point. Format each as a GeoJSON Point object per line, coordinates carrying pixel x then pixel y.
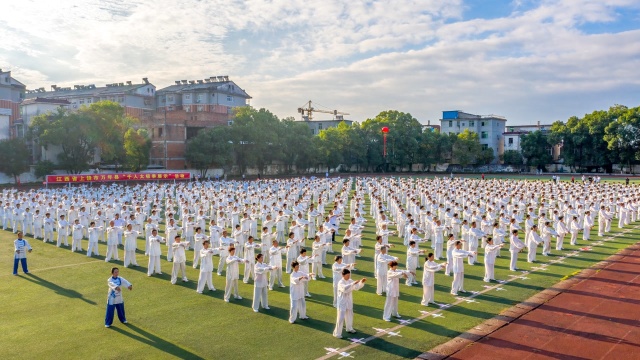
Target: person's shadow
{"type": "Point", "coordinates": [57, 288]}
{"type": "Point", "coordinates": [157, 342]}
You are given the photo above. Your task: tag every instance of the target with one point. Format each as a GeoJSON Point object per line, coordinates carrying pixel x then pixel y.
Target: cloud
{"type": "Point", "coordinates": [361, 57]}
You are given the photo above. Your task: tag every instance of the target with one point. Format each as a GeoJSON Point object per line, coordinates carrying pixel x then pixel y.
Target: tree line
{"type": "Point", "coordinates": [257, 138]}
{"type": "Point", "coordinates": [100, 129]}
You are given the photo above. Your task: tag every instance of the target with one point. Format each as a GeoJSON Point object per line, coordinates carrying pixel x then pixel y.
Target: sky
{"type": "Point", "coordinates": [526, 60]}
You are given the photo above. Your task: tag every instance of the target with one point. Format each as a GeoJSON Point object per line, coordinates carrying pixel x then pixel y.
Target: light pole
{"type": "Point", "coordinates": [385, 130]}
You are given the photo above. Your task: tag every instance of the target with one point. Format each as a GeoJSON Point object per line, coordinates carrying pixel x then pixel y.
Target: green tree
{"type": "Point", "coordinates": [329, 144]}
{"type": "Point", "coordinates": [466, 148]}
{"type": "Point", "coordinates": [536, 149]}
{"type": "Point", "coordinates": [14, 157]}
{"type": "Point", "coordinates": [623, 136]}
{"type": "Point", "coordinates": [512, 157]}
{"type": "Point", "coordinates": [44, 168]}
{"type": "Point", "coordinates": [255, 138]}
{"type": "Point", "coordinates": [295, 143]}
{"type": "Point", "coordinates": [137, 146]}
{"type": "Point", "coordinates": [210, 148]}
{"type": "Point", "coordinates": [485, 156]}
{"type": "Point", "coordinates": [112, 124]}
{"type": "Point", "coordinates": [403, 138]}
{"type": "Point", "coordinates": [74, 132]}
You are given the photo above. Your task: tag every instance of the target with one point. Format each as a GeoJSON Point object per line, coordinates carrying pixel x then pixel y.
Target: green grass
{"type": "Point", "coordinates": [60, 310]}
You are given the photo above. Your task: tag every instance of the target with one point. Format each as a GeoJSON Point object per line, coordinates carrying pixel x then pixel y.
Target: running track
{"type": "Point", "coordinates": [596, 318]}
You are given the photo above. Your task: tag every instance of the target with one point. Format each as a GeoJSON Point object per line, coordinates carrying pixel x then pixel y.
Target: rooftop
{"type": "Point", "coordinates": [86, 90]}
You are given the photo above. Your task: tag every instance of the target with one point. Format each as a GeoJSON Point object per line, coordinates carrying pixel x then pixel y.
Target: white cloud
{"type": "Point", "coordinates": [359, 56]}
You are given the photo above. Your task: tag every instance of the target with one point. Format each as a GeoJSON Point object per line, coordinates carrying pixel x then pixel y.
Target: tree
{"type": "Point", "coordinates": [44, 168]}
{"type": "Point", "coordinates": [583, 139]}
{"type": "Point", "coordinates": [329, 145]}
{"type": "Point", "coordinates": [467, 148]}
{"type": "Point", "coordinates": [623, 136]}
{"type": "Point", "coordinates": [536, 149]}
{"type": "Point", "coordinates": [210, 148]}
{"type": "Point", "coordinates": [255, 138]}
{"type": "Point", "coordinates": [14, 157]}
{"type": "Point", "coordinates": [112, 124]}
{"type": "Point", "coordinates": [75, 133]}
{"type": "Point", "coordinates": [512, 157]}
{"type": "Point", "coordinates": [403, 138]}
{"type": "Point", "coordinates": [485, 156]}
{"type": "Point", "coordinates": [136, 148]}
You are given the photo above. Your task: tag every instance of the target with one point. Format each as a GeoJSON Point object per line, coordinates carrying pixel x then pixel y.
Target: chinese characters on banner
{"type": "Point", "coordinates": [83, 178]}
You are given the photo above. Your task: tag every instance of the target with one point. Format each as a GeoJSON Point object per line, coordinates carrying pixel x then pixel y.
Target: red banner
{"type": "Point", "coordinates": [83, 178]}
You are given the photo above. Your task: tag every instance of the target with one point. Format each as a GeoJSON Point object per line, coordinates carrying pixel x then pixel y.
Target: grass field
{"type": "Point", "coordinates": [58, 309]}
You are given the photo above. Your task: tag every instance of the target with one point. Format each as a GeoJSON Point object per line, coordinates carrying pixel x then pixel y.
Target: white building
{"type": "Point", "coordinates": [490, 128]}
{"type": "Point", "coordinates": [5, 123]}
{"type": "Point", "coordinates": [513, 137]}
{"type": "Point", "coordinates": [31, 108]}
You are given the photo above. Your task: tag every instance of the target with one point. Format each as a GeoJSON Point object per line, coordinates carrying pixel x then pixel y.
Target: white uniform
{"type": "Point", "coordinates": [345, 305]}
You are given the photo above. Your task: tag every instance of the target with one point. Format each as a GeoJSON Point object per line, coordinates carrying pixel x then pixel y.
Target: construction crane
{"type": "Point", "coordinates": [309, 110]}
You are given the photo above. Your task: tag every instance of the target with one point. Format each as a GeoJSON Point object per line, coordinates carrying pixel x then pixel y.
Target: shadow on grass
{"type": "Point", "coordinates": [57, 288]}
{"type": "Point", "coordinates": [147, 338]}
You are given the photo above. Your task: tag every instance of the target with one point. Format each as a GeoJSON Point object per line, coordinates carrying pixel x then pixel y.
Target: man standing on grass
{"type": "Point", "coordinates": [21, 248]}
{"type": "Point", "coordinates": [296, 294]}
{"type": "Point", "coordinates": [114, 299]}
{"type": "Point", "coordinates": [345, 302]}
{"type": "Point", "coordinates": [458, 268]}
{"type": "Point", "coordinates": [428, 279]}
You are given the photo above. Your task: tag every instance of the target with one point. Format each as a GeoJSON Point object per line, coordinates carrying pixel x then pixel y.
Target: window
{"type": "Point", "coordinates": [170, 98]}
{"type": "Point", "coordinates": [462, 124]}
{"type": "Point", "coordinates": [120, 99]}
{"type": "Point", "coordinates": [484, 135]}
{"type": "Point", "coordinates": [200, 97]}
{"type": "Point", "coordinates": [320, 126]}
{"type": "Point", "coordinates": [485, 146]}
{"type": "Point", "coordinates": [472, 123]}
{"type": "Point", "coordinates": [200, 107]}
{"type": "Point", "coordinates": [187, 96]}
{"type": "Point", "coordinates": [510, 141]}
{"type": "Point", "coordinates": [160, 132]}
{"type": "Point", "coordinates": [450, 123]}
{"type": "Point", "coordinates": [89, 100]}
{"type": "Point", "coordinates": [482, 123]}
{"type": "Point", "coordinates": [313, 131]}
{"type": "Point", "coordinates": [187, 108]}
{"type": "Point", "coordinates": [229, 98]}
{"type": "Point", "coordinates": [230, 122]}
{"type": "Point", "coordinates": [81, 101]}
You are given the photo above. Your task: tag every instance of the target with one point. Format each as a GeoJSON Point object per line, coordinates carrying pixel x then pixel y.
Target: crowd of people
{"type": "Point", "coordinates": [260, 230]}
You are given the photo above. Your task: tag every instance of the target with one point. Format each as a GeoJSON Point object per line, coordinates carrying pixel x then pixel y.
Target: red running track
{"type": "Point", "coordinates": [597, 318]}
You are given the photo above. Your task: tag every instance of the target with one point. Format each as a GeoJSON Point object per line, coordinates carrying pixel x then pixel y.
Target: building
{"type": "Point", "coordinates": [29, 109]}
{"type": "Point", "coordinates": [490, 128]}
{"type": "Point", "coordinates": [513, 136]}
{"type": "Point", "coordinates": [429, 127]}
{"type": "Point", "coordinates": [11, 94]}
{"type": "Point", "coordinates": [318, 125]}
{"type": "Point", "coordinates": [185, 108]}
{"type": "Point", "coordinates": [136, 99]}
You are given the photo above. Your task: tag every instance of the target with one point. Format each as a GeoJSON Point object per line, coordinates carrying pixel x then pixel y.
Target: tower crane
{"type": "Point", "coordinates": [309, 110]}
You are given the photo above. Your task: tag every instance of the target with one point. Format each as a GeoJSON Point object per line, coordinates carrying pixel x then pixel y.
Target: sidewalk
{"type": "Point", "coordinates": [596, 317]}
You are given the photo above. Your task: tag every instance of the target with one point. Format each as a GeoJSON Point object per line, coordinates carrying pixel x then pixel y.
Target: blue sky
{"type": "Point", "coordinates": [527, 60]}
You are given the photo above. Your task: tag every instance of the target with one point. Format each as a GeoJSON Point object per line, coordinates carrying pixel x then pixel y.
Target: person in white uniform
{"type": "Point", "coordinates": [428, 279]}
{"type": "Point", "coordinates": [260, 284]}
{"type": "Point", "coordinates": [346, 286]}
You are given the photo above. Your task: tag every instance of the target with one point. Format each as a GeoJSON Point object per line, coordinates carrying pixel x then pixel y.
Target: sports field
{"type": "Point", "coordinates": [58, 309]}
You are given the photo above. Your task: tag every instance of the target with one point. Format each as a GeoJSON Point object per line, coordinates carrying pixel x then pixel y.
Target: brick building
{"type": "Point", "coordinates": [185, 108]}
